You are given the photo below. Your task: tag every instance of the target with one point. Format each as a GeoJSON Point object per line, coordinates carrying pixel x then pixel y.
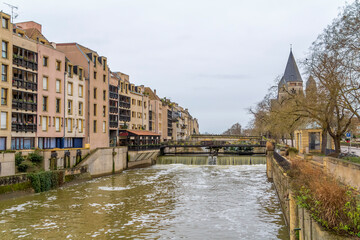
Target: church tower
{"type": "Point", "coordinates": [291, 82]}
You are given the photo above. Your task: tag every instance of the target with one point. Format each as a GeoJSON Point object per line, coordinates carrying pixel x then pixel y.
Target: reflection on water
{"type": "Point", "coordinates": [161, 202]}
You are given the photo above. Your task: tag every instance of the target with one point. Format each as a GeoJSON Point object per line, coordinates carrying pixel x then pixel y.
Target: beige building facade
{"type": "Point", "coordinates": [6, 81]}
{"type": "Point", "coordinates": [96, 74]}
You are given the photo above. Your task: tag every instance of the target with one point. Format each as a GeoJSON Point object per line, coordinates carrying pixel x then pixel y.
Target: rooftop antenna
{"type": "Point", "coordinates": [290, 47]}
{"type": "Point", "coordinates": [13, 15]}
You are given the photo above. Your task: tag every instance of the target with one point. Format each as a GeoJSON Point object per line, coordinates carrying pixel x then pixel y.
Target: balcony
{"type": "Point", "coordinates": [114, 124]}
{"type": "Point", "coordinates": [124, 118]}
{"type": "Point", "coordinates": [27, 106]}
{"type": "Point", "coordinates": [113, 95]}
{"type": "Point", "coordinates": [113, 110]}
{"type": "Point", "coordinates": [19, 83]}
{"type": "Point", "coordinates": [23, 127]}
{"type": "Point", "coordinates": [124, 105]}
{"type": "Point", "coordinates": [21, 62]}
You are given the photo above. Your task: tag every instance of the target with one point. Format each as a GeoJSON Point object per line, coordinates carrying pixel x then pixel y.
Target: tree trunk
{"type": "Point", "coordinates": [292, 139]}
{"type": "Point", "coordinates": [323, 141]}
{"type": "Point", "coordinates": [337, 144]}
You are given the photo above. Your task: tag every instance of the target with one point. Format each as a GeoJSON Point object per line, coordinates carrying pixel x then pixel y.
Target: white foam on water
{"type": "Point", "coordinates": [94, 204]}
{"type": "Point", "coordinates": [113, 188]}
{"type": "Point", "coordinates": [17, 208]}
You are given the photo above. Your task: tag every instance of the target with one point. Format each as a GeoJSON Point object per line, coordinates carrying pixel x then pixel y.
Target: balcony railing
{"type": "Point", "coordinates": [113, 95]}
{"type": "Point", "coordinates": [19, 83]}
{"type": "Point", "coordinates": [114, 124]}
{"type": "Point", "coordinates": [124, 105]}
{"type": "Point", "coordinates": [114, 110]}
{"type": "Point", "coordinates": [23, 127]}
{"type": "Point", "coordinates": [124, 118]}
{"type": "Point", "coordinates": [27, 106]}
{"type": "Point", "coordinates": [24, 63]}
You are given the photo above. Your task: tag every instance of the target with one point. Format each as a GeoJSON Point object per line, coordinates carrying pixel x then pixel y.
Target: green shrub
{"type": "Point", "coordinates": [23, 166]}
{"type": "Point", "coordinates": [19, 158]}
{"type": "Point", "coordinates": [44, 181]}
{"type": "Point", "coordinates": [35, 157]}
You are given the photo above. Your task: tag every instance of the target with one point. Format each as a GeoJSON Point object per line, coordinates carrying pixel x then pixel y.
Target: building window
{"type": "Point", "coordinates": [69, 124]}
{"type": "Point", "coordinates": [104, 78]}
{"type": "Point", "coordinates": [45, 83]}
{"type": "Point", "coordinates": [133, 114]}
{"type": "Point", "coordinates": [80, 73]}
{"type": "Point", "coordinates": [94, 61]}
{"type": "Point", "coordinates": [94, 75]}
{"type": "Point", "coordinates": [2, 143]}
{"type": "Point", "coordinates": [45, 61]}
{"type": "Point", "coordinates": [104, 111]}
{"type": "Point", "coordinates": [133, 101]}
{"type": "Point", "coordinates": [69, 107]}
{"type": "Point", "coordinates": [5, 23]}
{"type": "Point", "coordinates": [58, 85]}
{"type": "Point", "coordinates": [104, 65]}
{"type": "Point", "coordinates": [4, 93]}
{"type": "Point", "coordinates": [104, 95]}
{"type": "Point", "coordinates": [80, 125]}
{"type": "Point", "coordinates": [58, 65]}
{"type": "Point", "coordinates": [44, 123]}
{"type": "Point", "coordinates": [4, 73]}
{"type": "Point", "coordinates": [45, 103]}
{"type": "Point", "coordinates": [139, 103]}
{"type": "Point", "coordinates": [104, 126]}
{"type": "Point", "coordinates": [94, 126]}
{"type": "Point", "coordinates": [69, 70]}
{"type": "Point", "coordinates": [70, 89]}
{"type": "Point", "coordinates": [81, 91]}
{"type": "Point", "coordinates": [80, 108]}
{"type": "Point", "coordinates": [4, 47]}
{"type": "Point", "coordinates": [4, 120]}
{"type": "Point", "coordinates": [95, 93]}
{"type": "Point", "coordinates": [57, 124]}
{"type": "Point", "coordinates": [95, 109]}
{"type": "Point", "coordinates": [58, 104]}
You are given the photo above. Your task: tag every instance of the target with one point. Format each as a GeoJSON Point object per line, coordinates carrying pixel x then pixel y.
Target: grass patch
{"type": "Point", "coordinates": [352, 159]}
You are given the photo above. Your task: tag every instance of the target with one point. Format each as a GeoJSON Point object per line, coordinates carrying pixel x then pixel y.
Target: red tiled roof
{"type": "Point", "coordinates": [143, 133]}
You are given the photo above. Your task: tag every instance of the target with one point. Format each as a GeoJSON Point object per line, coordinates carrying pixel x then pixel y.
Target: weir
{"type": "Point", "coordinates": [212, 160]}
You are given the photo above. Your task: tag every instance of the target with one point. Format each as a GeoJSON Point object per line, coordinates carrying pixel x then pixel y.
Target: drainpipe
{"type": "Point", "coordinates": [88, 96]}
{"type": "Point", "coordinates": [63, 142]}
{"type": "Point", "coordinates": [142, 109]}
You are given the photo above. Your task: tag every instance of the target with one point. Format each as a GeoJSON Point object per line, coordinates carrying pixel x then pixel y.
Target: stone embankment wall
{"type": "Point", "coordinates": [104, 161]}
{"type": "Point", "coordinates": [297, 218]}
{"type": "Point", "coordinates": [7, 164]}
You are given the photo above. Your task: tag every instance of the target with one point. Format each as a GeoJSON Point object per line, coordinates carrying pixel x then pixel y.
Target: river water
{"type": "Point", "coordinates": [161, 202]}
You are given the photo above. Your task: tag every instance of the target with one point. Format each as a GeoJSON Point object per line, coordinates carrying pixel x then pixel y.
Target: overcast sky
{"type": "Point", "coordinates": [215, 57]}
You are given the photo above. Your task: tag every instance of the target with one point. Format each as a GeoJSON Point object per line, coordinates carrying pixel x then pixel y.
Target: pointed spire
{"type": "Point", "coordinates": [292, 73]}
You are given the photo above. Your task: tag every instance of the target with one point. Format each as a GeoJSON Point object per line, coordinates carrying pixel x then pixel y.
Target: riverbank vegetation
{"type": "Point", "coordinates": [335, 206]}
{"type": "Point", "coordinates": [30, 163]}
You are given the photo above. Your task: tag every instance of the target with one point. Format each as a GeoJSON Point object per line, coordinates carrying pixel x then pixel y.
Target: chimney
{"type": "Point", "coordinates": [155, 91]}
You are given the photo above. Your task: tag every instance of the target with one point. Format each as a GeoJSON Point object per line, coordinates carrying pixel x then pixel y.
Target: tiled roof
{"type": "Point", "coordinates": [34, 34]}
{"type": "Point", "coordinates": [151, 93]}
{"type": "Point", "coordinates": [143, 133]}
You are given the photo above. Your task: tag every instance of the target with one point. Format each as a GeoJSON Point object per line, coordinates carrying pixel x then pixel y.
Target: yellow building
{"type": "Point", "coordinates": [309, 140]}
